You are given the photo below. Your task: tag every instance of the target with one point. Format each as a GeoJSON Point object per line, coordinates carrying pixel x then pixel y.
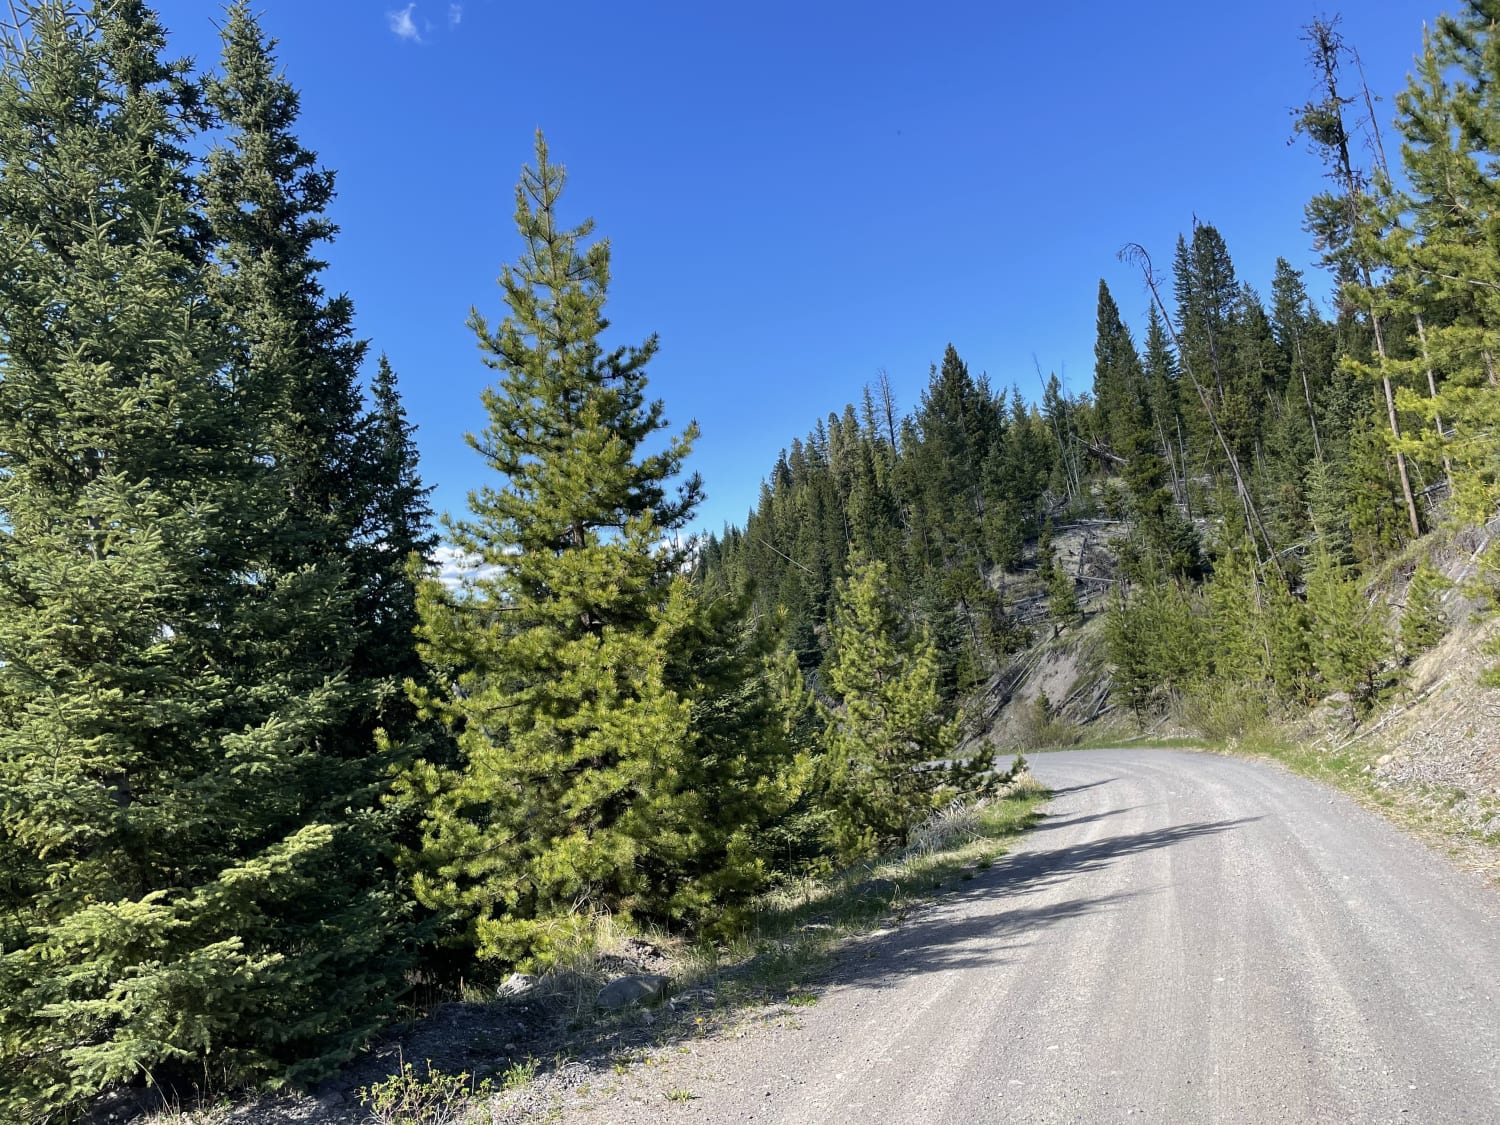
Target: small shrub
{"type": "Point", "coordinates": [519, 1074]}
{"type": "Point", "coordinates": [1039, 724]}
{"type": "Point", "coordinates": [680, 1095]}
{"type": "Point", "coordinates": [433, 1098]}
{"type": "Point", "coordinates": [1223, 713]}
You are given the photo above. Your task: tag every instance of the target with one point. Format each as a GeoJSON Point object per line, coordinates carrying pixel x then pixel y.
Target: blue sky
{"type": "Point", "coordinates": [798, 195]}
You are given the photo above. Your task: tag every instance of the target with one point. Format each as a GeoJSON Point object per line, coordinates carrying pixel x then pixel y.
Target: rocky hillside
{"type": "Point", "coordinates": [1432, 746]}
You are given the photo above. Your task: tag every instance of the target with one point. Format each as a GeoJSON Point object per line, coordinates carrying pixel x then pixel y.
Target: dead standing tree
{"type": "Point", "coordinates": [1335, 220]}
{"type": "Point", "coordinates": [1134, 253]}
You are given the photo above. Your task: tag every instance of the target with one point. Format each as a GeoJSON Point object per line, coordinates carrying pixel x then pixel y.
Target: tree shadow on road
{"type": "Point", "coordinates": [1065, 790]}
{"type": "Point", "coordinates": [980, 921]}
{"type": "Point", "coordinates": [1028, 870]}
{"type": "Point", "coordinates": [1049, 821]}
{"type": "Point", "coordinates": [971, 925]}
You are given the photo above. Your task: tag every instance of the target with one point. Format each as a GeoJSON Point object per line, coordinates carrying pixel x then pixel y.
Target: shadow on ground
{"type": "Point", "coordinates": [930, 936]}
{"type": "Point", "coordinates": [1080, 788]}
{"type": "Point", "coordinates": [936, 938]}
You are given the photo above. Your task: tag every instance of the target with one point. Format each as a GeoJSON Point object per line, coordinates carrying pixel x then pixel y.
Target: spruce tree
{"type": "Point", "coordinates": [585, 780]}
{"type": "Point", "coordinates": [340, 505]}
{"type": "Point", "coordinates": [395, 530]}
{"type": "Point", "coordinates": [179, 839]}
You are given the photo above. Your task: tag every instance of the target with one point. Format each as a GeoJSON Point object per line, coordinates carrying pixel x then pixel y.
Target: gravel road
{"type": "Point", "coordinates": [1184, 938]}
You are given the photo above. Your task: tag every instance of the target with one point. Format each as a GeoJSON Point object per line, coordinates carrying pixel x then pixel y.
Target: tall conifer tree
{"type": "Point", "coordinates": [572, 679]}
{"type": "Point", "coordinates": [179, 838]}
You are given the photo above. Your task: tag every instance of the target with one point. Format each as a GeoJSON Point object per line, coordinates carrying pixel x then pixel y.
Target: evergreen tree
{"type": "Point", "coordinates": [886, 731]}
{"type": "Point", "coordinates": [1341, 223]}
{"type": "Point", "coordinates": [397, 529]}
{"type": "Point", "coordinates": [586, 780]}
{"type": "Point", "coordinates": [1442, 249]}
{"type": "Point", "coordinates": [1290, 659]}
{"type": "Point", "coordinates": [1423, 622]}
{"type": "Point", "coordinates": [1234, 601]}
{"type": "Point", "coordinates": [1349, 642]}
{"type": "Point", "coordinates": [1062, 599]}
{"type": "Point", "coordinates": [1121, 409]}
{"type": "Point", "coordinates": [195, 887]}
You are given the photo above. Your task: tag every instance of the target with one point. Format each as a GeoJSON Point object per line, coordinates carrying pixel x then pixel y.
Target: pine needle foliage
{"type": "Point", "coordinates": [1423, 621]}
{"type": "Point", "coordinates": [888, 749]}
{"type": "Point", "coordinates": [573, 668]}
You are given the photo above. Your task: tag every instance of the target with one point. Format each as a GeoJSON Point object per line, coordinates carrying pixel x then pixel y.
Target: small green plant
{"type": "Point", "coordinates": [801, 999]}
{"type": "Point", "coordinates": [519, 1074]}
{"type": "Point", "coordinates": [680, 1095]}
{"type": "Point", "coordinates": [1039, 723]}
{"type": "Point", "coordinates": [431, 1098]}
{"type": "Point", "coordinates": [174, 1114]}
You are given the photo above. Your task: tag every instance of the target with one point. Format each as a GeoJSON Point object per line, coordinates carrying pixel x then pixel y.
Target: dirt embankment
{"type": "Point", "coordinates": [1436, 743]}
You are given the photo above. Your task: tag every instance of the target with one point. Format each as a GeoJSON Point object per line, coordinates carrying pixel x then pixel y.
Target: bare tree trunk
{"type": "Point", "coordinates": [1187, 500]}
{"type": "Point", "coordinates": [1327, 46]}
{"type": "Point", "coordinates": [1437, 417]}
{"type": "Point", "coordinates": [1312, 417]}
{"type": "Point", "coordinates": [1390, 412]}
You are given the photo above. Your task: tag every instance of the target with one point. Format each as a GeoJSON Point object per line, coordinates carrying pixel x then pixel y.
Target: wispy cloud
{"type": "Point", "coordinates": [455, 568]}
{"type": "Point", "coordinates": [403, 25]}
{"type": "Point", "coordinates": [455, 14]}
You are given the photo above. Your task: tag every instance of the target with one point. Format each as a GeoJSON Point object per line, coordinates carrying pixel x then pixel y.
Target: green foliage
{"type": "Point", "coordinates": [430, 1098]}
{"type": "Point", "coordinates": [887, 751]}
{"type": "Point", "coordinates": [1423, 622]}
{"type": "Point", "coordinates": [1157, 643]}
{"type": "Point", "coordinates": [197, 879]}
{"type": "Point", "coordinates": [615, 748]}
{"type": "Point", "coordinates": [1039, 725]}
{"type": "Point", "coordinates": [1349, 642]}
{"type": "Point", "coordinates": [1234, 599]}
{"type": "Point", "coordinates": [1062, 597]}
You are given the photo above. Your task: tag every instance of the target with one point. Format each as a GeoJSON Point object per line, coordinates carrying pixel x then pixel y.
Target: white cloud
{"type": "Point", "coordinates": [455, 14]}
{"type": "Point", "coordinates": [454, 567]}
{"type": "Point", "coordinates": [403, 26]}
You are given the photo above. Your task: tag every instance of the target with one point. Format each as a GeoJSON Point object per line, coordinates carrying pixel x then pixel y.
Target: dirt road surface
{"type": "Point", "coordinates": [1184, 938]}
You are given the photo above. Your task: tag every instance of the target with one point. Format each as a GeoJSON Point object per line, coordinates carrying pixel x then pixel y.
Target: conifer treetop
{"type": "Point", "coordinates": [563, 404]}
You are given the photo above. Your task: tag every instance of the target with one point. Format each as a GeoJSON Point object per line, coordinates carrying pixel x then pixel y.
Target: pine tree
{"type": "Point", "coordinates": [340, 505]}
{"type": "Point", "coordinates": [1423, 622]}
{"type": "Point", "coordinates": [585, 781]}
{"type": "Point", "coordinates": [1234, 598]}
{"type": "Point", "coordinates": [886, 730]}
{"type": "Point", "coordinates": [1135, 678]}
{"type": "Point", "coordinates": [1062, 599]}
{"type": "Point", "coordinates": [1349, 642]}
{"type": "Point", "coordinates": [1121, 409]}
{"type": "Point", "coordinates": [396, 529]}
{"type": "Point", "coordinates": [1440, 247]}
{"type": "Point", "coordinates": [1341, 223]}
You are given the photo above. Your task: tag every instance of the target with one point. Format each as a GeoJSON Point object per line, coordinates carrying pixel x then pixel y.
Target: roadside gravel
{"type": "Point", "coordinates": [1186, 937]}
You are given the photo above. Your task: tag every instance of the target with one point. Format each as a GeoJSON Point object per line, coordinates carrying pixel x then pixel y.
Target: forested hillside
{"type": "Point", "coordinates": [263, 775]}
{"type": "Point", "coordinates": [1254, 457]}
